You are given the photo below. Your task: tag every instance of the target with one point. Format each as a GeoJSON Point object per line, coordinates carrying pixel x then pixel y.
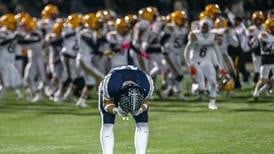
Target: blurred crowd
{"type": "Point", "coordinates": [63, 57]}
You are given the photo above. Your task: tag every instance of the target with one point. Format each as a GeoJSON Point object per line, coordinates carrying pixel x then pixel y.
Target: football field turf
{"type": "Point", "coordinates": [240, 125]}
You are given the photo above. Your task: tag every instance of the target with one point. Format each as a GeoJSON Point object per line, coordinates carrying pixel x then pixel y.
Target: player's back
{"type": "Point", "coordinates": [118, 75]}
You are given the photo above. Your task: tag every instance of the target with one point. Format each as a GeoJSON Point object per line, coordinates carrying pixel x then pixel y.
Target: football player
{"type": "Point", "coordinates": [56, 68]}
{"type": "Point", "coordinates": [173, 41]}
{"type": "Point", "coordinates": [120, 41]}
{"type": "Point", "coordinates": [252, 34]}
{"type": "Point", "coordinates": [225, 37]}
{"type": "Point", "coordinates": [125, 90]}
{"type": "Point", "coordinates": [9, 75]}
{"type": "Point", "coordinates": [33, 41]}
{"type": "Point", "coordinates": [70, 49]}
{"type": "Point", "coordinates": [201, 57]}
{"type": "Point", "coordinates": [48, 18]}
{"type": "Point", "coordinates": [90, 56]}
{"type": "Point", "coordinates": [266, 39]}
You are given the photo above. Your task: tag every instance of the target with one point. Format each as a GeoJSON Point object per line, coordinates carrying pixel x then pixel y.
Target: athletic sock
{"type": "Point", "coordinates": [141, 138]}
{"type": "Point", "coordinates": [107, 138]}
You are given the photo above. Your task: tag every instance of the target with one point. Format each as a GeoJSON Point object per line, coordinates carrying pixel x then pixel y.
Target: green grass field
{"type": "Point", "coordinates": [238, 126]}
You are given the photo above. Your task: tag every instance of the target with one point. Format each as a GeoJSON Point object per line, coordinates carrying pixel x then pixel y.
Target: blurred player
{"type": "Point", "coordinates": [56, 68]}
{"type": "Point", "coordinates": [120, 41]}
{"type": "Point", "coordinates": [9, 75]}
{"type": "Point", "coordinates": [252, 34]}
{"type": "Point", "coordinates": [48, 16]}
{"type": "Point", "coordinates": [266, 39]}
{"type": "Point", "coordinates": [225, 37]}
{"type": "Point", "coordinates": [89, 53]}
{"type": "Point", "coordinates": [71, 47]}
{"type": "Point", "coordinates": [147, 39]}
{"type": "Point", "coordinates": [201, 57]}
{"type": "Point", "coordinates": [125, 90]}
{"type": "Point", "coordinates": [173, 41]}
{"type": "Point", "coordinates": [35, 69]}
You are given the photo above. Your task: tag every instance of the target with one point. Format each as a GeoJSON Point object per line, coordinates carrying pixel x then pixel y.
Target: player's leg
{"type": "Point", "coordinates": [141, 133]}
{"type": "Point", "coordinates": [89, 84]}
{"type": "Point", "coordinates": [29, 78]}
{"type": "Point", "coordinates": [257, 64]}
{"type": "Point", "coordinates": [40, 69]}
{"type": "Point", "coordinates": [106, 132]}
{"type": "Point", "coordinates": [264, 72]}
{"type": "Point", "coordinates": [210, 74]}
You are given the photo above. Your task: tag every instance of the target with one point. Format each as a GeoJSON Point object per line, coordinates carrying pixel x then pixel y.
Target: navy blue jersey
{"type": "Point", "coordinates": [113, 82]}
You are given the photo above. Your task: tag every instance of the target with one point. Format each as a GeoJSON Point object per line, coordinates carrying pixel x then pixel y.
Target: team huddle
{"type": "Point", "coordinates": [65, 58]}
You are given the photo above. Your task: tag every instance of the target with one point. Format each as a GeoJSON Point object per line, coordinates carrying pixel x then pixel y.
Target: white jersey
{"type": "Point", "coordinates": [120, 45]}
{"type": "Point", "coordinates": [226, 37]}
{"type": "Point", "coordinates": [91, 43]}
{"type": "Point", "coordinates": [71, 41]}
{"type": "Point", "coordinates": [174, 38]}
{"type": "Point", "coordinates": [266, 47]}
{"type": "Point", "coordinates": [55, 47]}
{"type": "Point", "coordinates": [203, 49]}
{"type": "Point", "coordinates": [33, 42]}
{"type": "Point", "coordinates": [8, 46]}
{"type": "Point", "coordinates": [46, 25]}
{"type": "Point", "coordinates": [252, 35]}
{"type": "Point", "coordinates": [141, 32]}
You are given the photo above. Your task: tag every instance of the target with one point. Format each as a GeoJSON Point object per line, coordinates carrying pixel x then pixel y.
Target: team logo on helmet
{"type": "Point", "coordinates": [131, 97]}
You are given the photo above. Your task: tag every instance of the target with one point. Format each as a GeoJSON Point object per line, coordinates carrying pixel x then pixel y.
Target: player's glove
{"type": "Point", "coordinates": [142, 109]}
{"type": "Point", "coordinates": [119, 111]}
{"type": "Point", "coordinates": [193, 70]}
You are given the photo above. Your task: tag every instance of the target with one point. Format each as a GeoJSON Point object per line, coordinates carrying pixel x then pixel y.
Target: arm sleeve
{"type": "Point", "coordinates": [106, 95]}
{"type": "Point", "coordinates": [151, 85]}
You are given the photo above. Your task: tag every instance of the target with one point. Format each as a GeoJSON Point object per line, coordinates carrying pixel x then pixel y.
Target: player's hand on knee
{"type": "Point", "coordinates": [142, 109]}
{"type": "Point", "coordinates": [120, 112]}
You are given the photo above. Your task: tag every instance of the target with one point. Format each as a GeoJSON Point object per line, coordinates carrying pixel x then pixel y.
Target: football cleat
{"type": "Point", "coordinates": [212, 105]}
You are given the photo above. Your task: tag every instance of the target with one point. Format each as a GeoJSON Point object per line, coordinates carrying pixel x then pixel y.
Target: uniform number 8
{"type": "Point", "coordinates": [203, 52]}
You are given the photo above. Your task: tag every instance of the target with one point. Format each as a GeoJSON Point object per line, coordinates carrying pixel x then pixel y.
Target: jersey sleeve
{"type": "Point", "coordinates": [106, 95]}
{"type": "Point", "coordinates": [151, 85]}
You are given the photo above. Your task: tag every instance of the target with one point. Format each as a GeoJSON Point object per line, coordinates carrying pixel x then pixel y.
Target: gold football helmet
{"type": "Point", "coordinates": [148, 13]}
{"type": "Point", "coordinates": [8, 20]}
{"type": "Point", "coordinates": [19, 16]}
{"type": "Point", "coordinates": [258, 15]}
{"type": "Point", "coordinates": [213, 8]}
{"type": "Point", "coordinates": [29, 24]}
{"type": "Point", "coordinates": [220, 23]}
{"type": "Point", "coordinates": [121, 26]}
{"type": "Point", "coordinates": [74, 20]}
{"type": "Point", "coordinates": [50, 11]}
{"type": "Point", "coordinates": [91, 20]}
{"type": "Point", "coordinates": [226, 84]}
{"type": "Point", "coordinates": [58, 27]}
{"type": "Point", "coordinates": [106, 15]}
{"type": "Point", "coordinates": [269, 25]}
{"type": "Point", "coordinates": [131, 19]}
{"type": "Point", "coordinates": [178, 17]}
{"type": "Point", "coordinates": [204, 15]}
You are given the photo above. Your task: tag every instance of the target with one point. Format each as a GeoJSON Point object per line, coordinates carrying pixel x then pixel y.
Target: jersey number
{"type": "Point", "coordinates": [11, 47]}
{"type": "Point", "coordinates": [178, 42]}
{"type": "Point", "coordinates": [203, 52]}
{"type": "Point", "coordinates": [75, 46]}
